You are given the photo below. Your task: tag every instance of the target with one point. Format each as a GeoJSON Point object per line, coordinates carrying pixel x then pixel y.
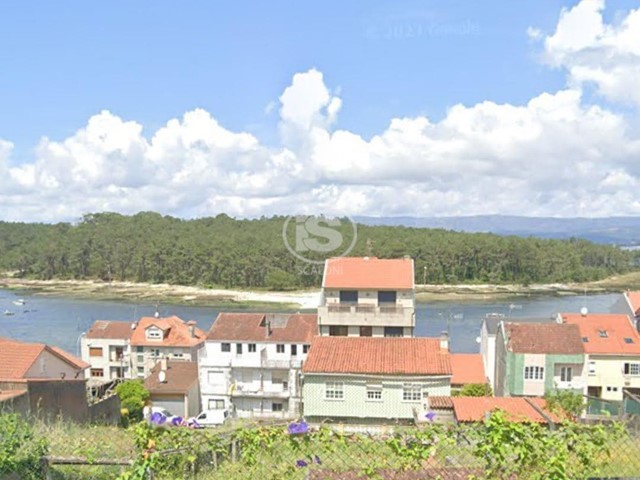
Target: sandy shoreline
{"type": "Point", "coordinates": [302, 299]}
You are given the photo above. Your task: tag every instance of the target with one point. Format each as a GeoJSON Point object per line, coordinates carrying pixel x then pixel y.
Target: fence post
{"type": "Point", "coordinates": [234, 451]}
{"type": "Point", "coordinates": [44, 465]}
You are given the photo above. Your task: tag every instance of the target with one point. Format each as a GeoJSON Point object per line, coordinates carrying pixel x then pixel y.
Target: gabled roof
{"type": "Point", "coordinates": [543, 338]}
{"type": "Point", "coordinates": [517, 409]}
{"type": "Point", "coordinates": [176, 333]}
{"type": "Point", "coordinates": [633, 298]}
{"type": "Point", "coordinates": [605, 333]}
{"type": "Point", "coordinates": [493, 321]}
{"type": "Point", "coordinates": [110, 329]}
{"type": "Point", "coordinates": [467, 368]}
{"type": "Point", "coordinates": [16, 358]}
{"type": "Point", "coordinates": [180, 377]}
{"type": "Point", "coordinates": [368, 273]}
{"type": "Point", "coordinates": [377, 355]}
{"type": "Point", "coordinates": [252, 327]}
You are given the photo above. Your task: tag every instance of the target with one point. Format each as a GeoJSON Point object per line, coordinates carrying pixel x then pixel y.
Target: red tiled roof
{"type": "Point", "coordinates": [606, 333]}
{"type": "Point", "coordinates": [633, 298]}
{"type": "Point", "coordinates": [8, 394]}
{"type": "Point", "coordinates": [16, 358]}
{"type": "Point", "coordinates": [543, 338]}
{"type": "Point", "coordinates": [441, 403]}
{"type": "Point", "coordinates": [377, 355]}
{"type": "Point", "coordinates": [176, 333]}
{"type": "Point", "coordinates": [110, 329]}
{"type": "Point", "coordinates": [251, 327]}
{"type": "Point", "coordinates": [368, 272]}
{"type": "Point", "coordinates": [467, 368]}
{"type": "Point", "coordinates": [180, 377]}
{"type": "Point", "coordinates": [517, 409]}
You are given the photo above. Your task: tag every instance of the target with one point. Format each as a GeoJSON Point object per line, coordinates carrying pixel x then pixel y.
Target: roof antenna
{"type": "Point", "coordinates": [584, 310]}
{"type": "Point", "coordinates": [157, 314]}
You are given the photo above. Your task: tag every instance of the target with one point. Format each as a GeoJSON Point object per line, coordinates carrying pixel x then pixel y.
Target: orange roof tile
{"type": "Point", "coordinates": [252, 327]}
{"type": "Point", "coordinates": [467, 368]}
{"type": "Point", "coordinates": [176, 333]}
{"type": "Point", "coordinates": [8, 394]}
{"type": "Point", "coordinates": [377, 355]}
{"type": "Point", "coordinates": [548, 338]}
{"type": "Point", "coordinates": [16, 358]}
{"type": "Point", "coordinates": [110, 329]}
{"type": "Point", "coordinates": [440, 402]}
{"type": "Point", "coordinates": [633, 298]}
{"type": "Point", "coordinates": [368, 272]}
{"type": "Point", "coordinates": [609, 334]}
{"type": "Point", "coordinates": [517, 409]}
{"type": "Point", "coordinates": [180, 377]}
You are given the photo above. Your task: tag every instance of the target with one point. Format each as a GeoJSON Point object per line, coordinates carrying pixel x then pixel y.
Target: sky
{"type": "Point", "coordinates": [405, 108]}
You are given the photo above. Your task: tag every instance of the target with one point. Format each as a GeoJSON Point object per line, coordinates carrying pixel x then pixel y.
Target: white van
{"type": "Point", "coordinates": [210, 418]}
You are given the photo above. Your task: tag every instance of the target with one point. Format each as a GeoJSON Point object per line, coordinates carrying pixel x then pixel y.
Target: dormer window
{"type": "Point", "coordinates": [603, 334]}
{"type": "Point", "coordinates": [585, 339]}
{"type": "Point", "coordinates": [154, 333]}
{"type": "Point", "coordinates": [628, 340]}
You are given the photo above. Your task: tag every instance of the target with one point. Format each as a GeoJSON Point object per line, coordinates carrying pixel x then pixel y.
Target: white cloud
{"type": "Point", "coordinates": [592, 52]}
{"type": "Point", "coordinates": [557, 154]}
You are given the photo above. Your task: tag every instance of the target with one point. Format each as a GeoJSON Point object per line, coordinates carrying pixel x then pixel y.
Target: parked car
{"type": "Point", "coordinates": [210, 418]}
{"type": "Point", "coordinates": [161, 414]}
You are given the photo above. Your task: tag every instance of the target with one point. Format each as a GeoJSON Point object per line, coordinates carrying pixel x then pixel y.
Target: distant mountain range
{"type": "Point", "coordinates": [623, 231]}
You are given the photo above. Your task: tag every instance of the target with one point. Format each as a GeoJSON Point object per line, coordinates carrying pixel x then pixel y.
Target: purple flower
{"type": "Point", "coordinates": [175, 421]}
{"type": "Point", "coordinates": [298, 428]}
{"type": "Point", "coordinates": [157, 418]}
{"type": "Point", "coordinates": [301, 464]}
{"type": "Point", "coordinates": [316, 459]}
{"type": "Point", "coordinates": [430, 416]}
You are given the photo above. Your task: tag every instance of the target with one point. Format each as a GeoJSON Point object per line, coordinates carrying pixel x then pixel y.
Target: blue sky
{"type": "Point", "coordinates": [152, 61]}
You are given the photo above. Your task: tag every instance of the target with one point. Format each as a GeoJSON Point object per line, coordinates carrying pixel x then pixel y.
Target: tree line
{"type": "Point", "coordinates": [224, 252]}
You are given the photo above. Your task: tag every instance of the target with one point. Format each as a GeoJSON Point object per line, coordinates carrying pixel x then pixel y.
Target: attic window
{"type": "Point", "coordinates": [603, 334]}
{"type": "Point", "coordinates": [628, 340]}
{"type": "Point", "coordinates": [585, 339]}
{"type": "Point", "coordinates": [154, 334]}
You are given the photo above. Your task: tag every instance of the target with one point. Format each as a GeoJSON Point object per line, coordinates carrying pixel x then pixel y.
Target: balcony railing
{"type": "Point", "coordinates": [381, 309]}
{"type": "Point", "coordinates": [367, 314]}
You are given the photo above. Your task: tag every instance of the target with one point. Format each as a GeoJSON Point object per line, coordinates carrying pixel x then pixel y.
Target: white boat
{"type": "Point", "coordinates": [8, 313]}
{"type": "Point", "coordinates": [20, 301]}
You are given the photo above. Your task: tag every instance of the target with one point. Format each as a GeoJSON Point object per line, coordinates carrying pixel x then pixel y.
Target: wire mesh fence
{"type": "Point", "coordinates": [494, 449]}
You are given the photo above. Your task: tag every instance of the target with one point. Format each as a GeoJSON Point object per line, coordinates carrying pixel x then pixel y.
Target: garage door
{"type": "Point", "coordinates": [175, 404]}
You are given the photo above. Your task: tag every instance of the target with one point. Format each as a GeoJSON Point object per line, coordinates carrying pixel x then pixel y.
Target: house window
{"type": "Point", "coordinates": [239, 348]}
{"type": "Point", "coordinates": [632, 369]}
{"type": "Point", "coordinates": [251, 347]}
{"type": "Point", "coordinates": [95, 351]}
{"type": "Point", "coordinates": [141, 371]}
{"type": "Point", "coordinates": [139, 349]}
{"type": "Point", "coordinates": [154, 334]}
{"type": "Point", "coordinates": [305, 349]}
{"type": "Point", "coordinates": [225, 347]}
{"type": "Point", "coordinates": [294, 350]}
{"type": "Point", "coordinates": [348, 296]}
{"type": "Point", "coordinates": [534, 373]}
{"type": "Point", "coordinates": [386, 297]}
{"type": "Point", "coordinates": [592, 368]}
{"type": "Point", "coordinates": [366, 331]}
{"type": "Point", "coordinates": [393, 331]}
{"type": "Point", "coordinates": [566, 374]}
{"type": "Point", "coordinates": [216, 404]}
{"type": "Point", "coordinates": [411, 392]}
{"type": "Point", "coordinates": [374, 392]}
{"type": "Point", "coordinates": [338, 331]}
{"type": "Point", "coordinates": [97, 372]}
{"type": "Point", "coordinates": [280, 348]}
{"type": "Point", "coordinates": [276, 407]}
{"type": "Point", "coordinates": [334, 391]}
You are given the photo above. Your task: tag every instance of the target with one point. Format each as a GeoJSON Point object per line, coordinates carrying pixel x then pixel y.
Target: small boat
{"type": "Point", "coordinates": [8, 313]}
{"type": "Point", "coordinates": [20, 301]}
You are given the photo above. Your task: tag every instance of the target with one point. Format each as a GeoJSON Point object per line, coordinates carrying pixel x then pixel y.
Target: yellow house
{"type": "Point", "coordinates": [612, 353]}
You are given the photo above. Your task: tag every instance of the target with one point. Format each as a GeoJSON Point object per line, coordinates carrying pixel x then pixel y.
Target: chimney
{"type": "Point", "coordinates": [444, 341]}
{"type": "Point", "coordinates": [164, 364]}
{"type": "Point", "coordinates": [268, 329]}
{"type": "Point", "coordinates": [192, 328]}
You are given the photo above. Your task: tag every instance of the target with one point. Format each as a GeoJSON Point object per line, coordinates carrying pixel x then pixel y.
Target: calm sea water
{"type": "Point", "coordinates": [60, 321]}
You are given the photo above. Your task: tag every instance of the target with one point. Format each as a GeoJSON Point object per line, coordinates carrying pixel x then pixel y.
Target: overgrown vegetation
{"type": "Point", "coordinates": [475, 390]}
{"type": "Point", "coordinates": [20, 448]}
{"type": "Point", "coordinates": [221, 251]}
{"type": "Point", "coordinates": [133, 396]}
{"type": "Point", "coordinates": [566, 402]}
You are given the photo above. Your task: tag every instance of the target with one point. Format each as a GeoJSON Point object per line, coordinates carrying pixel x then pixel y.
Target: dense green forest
{"type": "Point", "coordinates": [225, 252]}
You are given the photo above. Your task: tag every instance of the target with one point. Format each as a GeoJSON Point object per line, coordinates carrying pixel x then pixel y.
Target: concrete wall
{"type": "Point", "coordinates": [64, 398]}
{"type": "Point", "coordinates": [355, 404]}
{"type": "Point", "coordinates": [106, 411]}
{"type": "Point", "coordinates": [48, 365]}
{"type": "Point", "coordinates": [19, 404]}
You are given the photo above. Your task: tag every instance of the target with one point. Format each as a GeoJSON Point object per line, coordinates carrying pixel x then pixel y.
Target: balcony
{"type": "Point", "coordinates": [250, 392]}
{"type": "Point", "coordinates": [382, 315]}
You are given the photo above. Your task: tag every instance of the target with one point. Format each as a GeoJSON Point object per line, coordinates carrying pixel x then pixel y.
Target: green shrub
{"type": "Point", "coordinates": [20, 448]}
{"type": "Point", "coordinates": [476, 390]}
{"type": "Point", "coordinates": [133, 396]}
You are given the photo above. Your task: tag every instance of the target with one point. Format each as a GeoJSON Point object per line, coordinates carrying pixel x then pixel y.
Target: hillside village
{"type": "Point", "coordinates": [355, 363]}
